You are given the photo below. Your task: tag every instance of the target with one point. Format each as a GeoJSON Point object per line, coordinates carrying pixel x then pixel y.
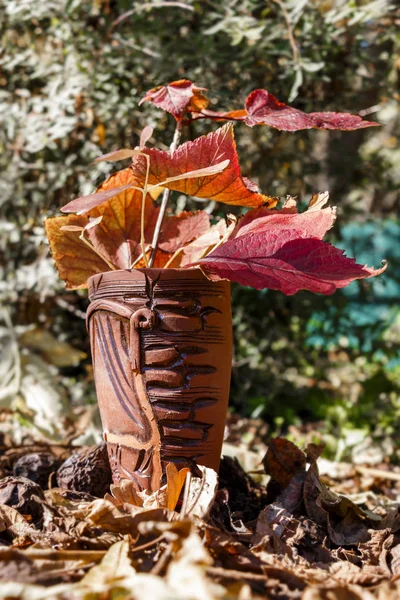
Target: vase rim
{"type": "Point", "coordinates": [110, 279]}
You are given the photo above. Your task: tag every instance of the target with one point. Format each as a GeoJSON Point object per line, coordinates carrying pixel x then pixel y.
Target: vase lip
{"type": "Point", "coordinates": [109, 280]}
{"type": "Point", "coordinates": [145, 270]}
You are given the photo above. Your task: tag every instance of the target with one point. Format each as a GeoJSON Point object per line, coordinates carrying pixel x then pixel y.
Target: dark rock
{"type": "Point", "coordinates": [23, 495]}
{"type": "Point", "coordinates": [87, 471]}
{"type": "Point", "coordinates": [37, 467]}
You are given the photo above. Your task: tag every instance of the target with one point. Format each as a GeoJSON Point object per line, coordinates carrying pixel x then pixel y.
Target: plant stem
{"type": "Point", "coordinates": [143, 212]}
{"type": "Point", "coordinates": [175, 254]}
{"type": "Point", "coordinates": [165, 199]}
{"type": "Point", "coordinates": [85, 241]}
{"type": "Point", "coordinates": [139, 258]}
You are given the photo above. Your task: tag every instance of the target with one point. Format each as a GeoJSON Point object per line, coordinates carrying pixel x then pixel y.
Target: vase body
{"type": "Point", "coordinates": [161, 342]}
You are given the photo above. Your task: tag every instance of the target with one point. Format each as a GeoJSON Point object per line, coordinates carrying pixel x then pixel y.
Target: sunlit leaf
{"type": "Point", "coordinates": [177, 97]}
{"type": "Point", "coordinates": [75, 262]}
{"type": "Point", "coordinates": [83, 204]}
{"type": "Point", "coordinates": [264, 109]}
{"type": "Point", "coordinates": [175, 482]}
{"type": "Point", "coordinates": [285, 252]}
{"type": "Point", "coordinates": [207, 151]}
{"type": "Point", "coordinates": [200, 246]}
{"type": "Point", "coordinates": [205, 172]}
{"type": "Point", "coordinates": [118, 155]}
{"type": "Point", "coordinates": [145, 135]}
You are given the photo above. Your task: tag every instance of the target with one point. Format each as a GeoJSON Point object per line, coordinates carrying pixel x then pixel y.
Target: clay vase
{"type": "Point", "coordinates": [161, 343]}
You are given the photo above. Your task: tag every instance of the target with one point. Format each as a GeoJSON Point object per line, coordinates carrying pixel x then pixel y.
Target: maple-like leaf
{"type": "Point", "coordinates": [75, 261]}
{"type": "Point", "coordinates": [283, 252]}
{"type": "Point", "coordinates": [113, 229]}
{"type": "Point", "coordinates": [177, 97]}
{"type": "Point", "coordinates": [83, 204]}
{"type": "Point", "coordinates": [227, 186]}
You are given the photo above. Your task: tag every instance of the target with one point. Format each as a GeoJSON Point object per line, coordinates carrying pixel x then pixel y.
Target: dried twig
{"type": "Point", "coordinates": [292, 40]}
{"type": "Point", "coordinates": [162, 562]}
{"type": "Point", "coordinates": [378, 473]}
{"type": "Point", "coordinates": [148, 544]}
{"type": "Point", "coordinates": [150, 6]}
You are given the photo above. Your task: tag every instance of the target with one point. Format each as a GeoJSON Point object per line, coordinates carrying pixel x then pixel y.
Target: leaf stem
{"type": "Point", "coordinates": [165, 199]}
{"type": "Point", "coordinates": [81, 237]}
{"type": "Point", "coordinates": [229, 230]}
{"type": "Point", "coordinates": [175, 254]}
{"type": "Point", "coordinates": [142, 218]}
{"type": "Point", "coordinates": [139, 258]}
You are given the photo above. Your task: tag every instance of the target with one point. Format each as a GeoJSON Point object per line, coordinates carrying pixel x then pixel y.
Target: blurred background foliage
{"type": "Point", "coordinates": [71, 74]}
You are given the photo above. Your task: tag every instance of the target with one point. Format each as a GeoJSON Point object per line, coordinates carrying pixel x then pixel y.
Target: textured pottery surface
{"type": "Point", "coordinates": [161, 344]}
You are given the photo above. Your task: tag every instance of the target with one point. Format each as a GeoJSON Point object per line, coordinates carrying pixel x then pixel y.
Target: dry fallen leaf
{"type": "Point", "coordinates": [175, 482]}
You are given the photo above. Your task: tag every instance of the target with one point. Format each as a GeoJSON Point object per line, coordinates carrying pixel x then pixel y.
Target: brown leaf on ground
{"type": "Point", "coordinates": [309, 543]}
{"type": "Point", "coordinates": [283, 460]}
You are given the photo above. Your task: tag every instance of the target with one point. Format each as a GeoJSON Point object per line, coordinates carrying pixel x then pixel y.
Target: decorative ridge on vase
{"type": "Point", "coordinates": [161, 345]}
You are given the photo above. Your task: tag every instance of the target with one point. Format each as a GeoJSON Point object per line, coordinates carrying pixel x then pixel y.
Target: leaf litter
{"type": "Point", "coordinates": [288, 533]}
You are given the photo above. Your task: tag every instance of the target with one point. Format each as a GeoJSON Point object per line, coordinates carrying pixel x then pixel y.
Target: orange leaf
{"type": "Point", "coordinates": [75, 261]}
{"type": "Point", "coordinates": [227, 186]}
{"type": "Point", "coordinates": [175, 482]}
{"type": "Point", "coordinates": [118, 234]}
{"type": "Point", "coordinates": [113, 229]}
{"type": "Point", "coordinates": [116, 237]}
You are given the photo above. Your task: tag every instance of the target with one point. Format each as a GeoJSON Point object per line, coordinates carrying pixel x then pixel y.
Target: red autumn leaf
{"type": "Point", "coordinates": [283, 252]}
{"type": "Point", "coordinates": [314, 222]}
{"type": "Point", "coordinates": [177, 97]}
{"type": "Point", "coordinates": [181, 229]}
{"type": "Point", "coordinates": [227, 186]}
{"type": "Point", "coordinates": [264, 109]}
